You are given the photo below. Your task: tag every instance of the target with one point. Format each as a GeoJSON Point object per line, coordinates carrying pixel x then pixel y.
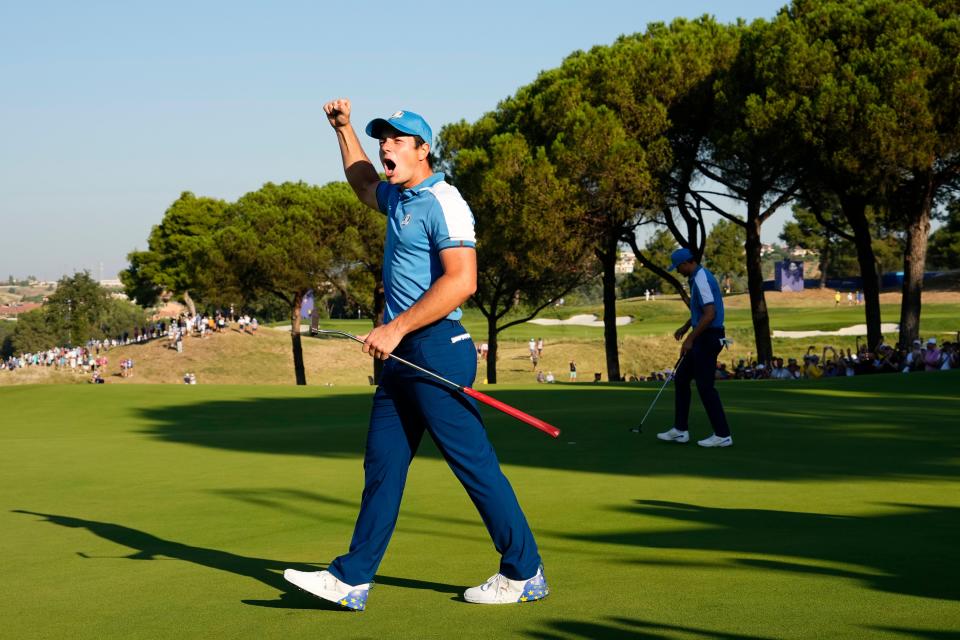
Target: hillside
{"type": "Point", "coordinates": [235, 358]}
{"type": "Point", "coordinates": [646, 344]}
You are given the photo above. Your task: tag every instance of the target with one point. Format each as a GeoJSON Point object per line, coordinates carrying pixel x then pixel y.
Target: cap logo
{"type": "Point", "coordinates": [398, 114]}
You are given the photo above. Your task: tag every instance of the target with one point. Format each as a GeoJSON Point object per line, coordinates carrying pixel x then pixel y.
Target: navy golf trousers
{"type": "Point", "coordinates": [407, 403]}
{"type": "Point", "coordinates": [700, 364]}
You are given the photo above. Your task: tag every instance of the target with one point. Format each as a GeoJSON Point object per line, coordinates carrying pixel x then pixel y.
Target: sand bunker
{"type": "Point", "coordinates": [583, 320]}
{"type": "Point", "coordinates": [855, 330]}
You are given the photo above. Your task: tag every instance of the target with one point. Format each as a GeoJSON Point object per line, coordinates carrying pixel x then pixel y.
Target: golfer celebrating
{"type": "Point", "coordinates": [429, 270]}
{"type": "Point", "coordinates": [699, 353]}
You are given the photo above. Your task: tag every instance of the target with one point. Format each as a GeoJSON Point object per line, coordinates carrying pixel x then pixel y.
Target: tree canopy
{"type": "Point", "coordinates": [530, 248]}
{"type": "Point", "coordinates": [724, 251]}
{"type": "Point", "coordinates": [850, 110]}
{"type": "Point", "coordinates": [78, 311]}
{"type": "Point", "coordinates": [177, 257]}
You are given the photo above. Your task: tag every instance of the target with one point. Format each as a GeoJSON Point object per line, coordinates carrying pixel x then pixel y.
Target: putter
{"type": "Point", "coordinates": [473, 393]}
{"type": "Point", "coordinates": [639, 429]}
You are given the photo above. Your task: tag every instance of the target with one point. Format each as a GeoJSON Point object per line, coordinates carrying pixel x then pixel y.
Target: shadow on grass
{"type": "Point", "coordinates": [923, 634]}
{"type": "Point", "coordinates": [626, 628]}
{"type": "Point", "coordinates": [147, 546]}
{"type": "Point", "coordinates": [912, 551]}
{"type": "Point", "coordinates": [850, 427]}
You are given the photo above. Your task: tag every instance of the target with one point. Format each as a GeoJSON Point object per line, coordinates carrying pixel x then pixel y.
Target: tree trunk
{"type": "Point", "coordinates": [758, 303]}
{"type": "Point", "coordinates": [492, 349]}
{"type": "Point", "coordinates": [608, 258]}
{"type": "Point", "coordinates": [824, 262]}
{"type": "Point", "coordinates": [189, 301]}
{"type": "Point", "coordinates": [854, 209]}
{"type": "Point", "coordinates": [914, 262]}
{"type": "Point", "coordinates": [298, 369]}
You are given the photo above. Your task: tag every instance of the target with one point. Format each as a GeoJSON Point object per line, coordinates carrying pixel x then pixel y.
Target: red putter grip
{"type": "Point", "coordinates": [516, 413]}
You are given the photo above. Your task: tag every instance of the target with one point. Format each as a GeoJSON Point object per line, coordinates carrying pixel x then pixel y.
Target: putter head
{"type": "Point", "coordinates": [316, 333]}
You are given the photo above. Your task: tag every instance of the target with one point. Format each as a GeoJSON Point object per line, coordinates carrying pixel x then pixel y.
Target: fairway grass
{"type": "Point", "coordinates": [163, 511]}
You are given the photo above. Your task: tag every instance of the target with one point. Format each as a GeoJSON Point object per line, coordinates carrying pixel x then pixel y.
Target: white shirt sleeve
{"type": "Point", "coordinates": [703, 286]}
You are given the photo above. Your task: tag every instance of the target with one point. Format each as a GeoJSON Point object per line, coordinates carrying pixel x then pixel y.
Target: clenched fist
{"type": "Point", "coordinates": [338, 112]}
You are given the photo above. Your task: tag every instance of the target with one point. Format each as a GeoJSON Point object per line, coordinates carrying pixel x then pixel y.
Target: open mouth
{"type": "Point", "coordinates": [389, 166]}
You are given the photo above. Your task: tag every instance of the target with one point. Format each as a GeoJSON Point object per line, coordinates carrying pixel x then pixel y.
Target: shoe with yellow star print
{"type": "Point", "coordinates": [500, 589]}
{"type": "Point", "coordinates": [324, 584]}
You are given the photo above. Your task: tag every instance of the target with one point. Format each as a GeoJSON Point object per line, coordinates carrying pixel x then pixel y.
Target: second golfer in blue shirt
{"type": "Point", "coordinates": [699, 354]}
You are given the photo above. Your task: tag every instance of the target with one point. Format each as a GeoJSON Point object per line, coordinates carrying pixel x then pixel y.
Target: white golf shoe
{"type": "Point", "coordinates": [324, 584]}
{"type": "Point", "coordinates": [716, 441]}
{"type": "Point", "coordinates": [674, 435]}
{"type": "Point", "coordinates": [500, 589]}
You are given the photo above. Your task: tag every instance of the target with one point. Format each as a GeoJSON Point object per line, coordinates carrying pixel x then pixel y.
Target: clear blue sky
{"type": "Point", "coordinates": [108, 110]}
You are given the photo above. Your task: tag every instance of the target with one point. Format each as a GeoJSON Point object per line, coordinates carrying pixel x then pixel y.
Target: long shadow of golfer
{"type": "Point", "coordinates": [912, 551]}
{"type": "Point", "coordinates": [149, 547]}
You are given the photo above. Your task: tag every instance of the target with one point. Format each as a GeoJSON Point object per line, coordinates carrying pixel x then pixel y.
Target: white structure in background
{"type": "Point", "coordinates": [625, 262]}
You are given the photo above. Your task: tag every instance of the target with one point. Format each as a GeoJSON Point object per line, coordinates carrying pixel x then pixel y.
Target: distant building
{"type": "Point", "coordinates": [625, 262]}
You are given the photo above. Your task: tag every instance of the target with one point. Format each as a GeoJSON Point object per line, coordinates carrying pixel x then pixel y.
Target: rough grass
{"type": "Point", "coordinates": [170, 512]}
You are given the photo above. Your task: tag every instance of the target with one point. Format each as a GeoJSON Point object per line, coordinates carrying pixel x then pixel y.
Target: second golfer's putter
{"type": "Point", "coordinates": [639, 428]}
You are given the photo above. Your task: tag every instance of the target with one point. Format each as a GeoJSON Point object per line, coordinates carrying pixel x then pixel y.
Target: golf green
{"type": "Point", "coordinates": [171, 512]}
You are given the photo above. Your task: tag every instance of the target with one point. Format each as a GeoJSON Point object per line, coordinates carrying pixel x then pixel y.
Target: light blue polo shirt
{"type": "Point", "coordinates": [704, 290]}
{"type": "Point", "coordinates": [421, 222]}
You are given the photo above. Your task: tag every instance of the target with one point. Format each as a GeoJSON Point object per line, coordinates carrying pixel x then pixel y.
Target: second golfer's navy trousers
{"type": "Point", "coordinates": [700, 364]}
{"type": "Point", "coordinates": [407, 403]}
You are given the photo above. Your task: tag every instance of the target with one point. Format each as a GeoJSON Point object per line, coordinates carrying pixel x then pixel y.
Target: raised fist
{"type": "Point", "coordinates": [338, 112]}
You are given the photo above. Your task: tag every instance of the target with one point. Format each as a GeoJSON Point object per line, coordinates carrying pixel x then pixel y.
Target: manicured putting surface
{"type": "Point", "coordinates": [171, 512]}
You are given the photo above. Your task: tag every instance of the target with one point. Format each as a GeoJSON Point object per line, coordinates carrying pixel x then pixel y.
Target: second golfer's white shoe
{"type": "Point", "coordinates": [324, 584]}
{"type": "Point", "coordinates": [716, 441]}
{"type": "Point", "coordinates": [500, 589]}
{"type": "Point", "coordinates": [674, 435]}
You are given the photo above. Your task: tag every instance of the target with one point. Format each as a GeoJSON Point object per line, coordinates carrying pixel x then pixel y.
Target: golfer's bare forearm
{"type": "Point", "coordinates": [357, 167]}
{"type": "Point", "coordinates": [446, 294]}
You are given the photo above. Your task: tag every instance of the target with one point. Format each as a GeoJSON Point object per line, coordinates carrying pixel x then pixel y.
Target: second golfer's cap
{"type": "Point", "coordinates": [678, 257]}
{"type": "Point", "coordinates": [403, 121]}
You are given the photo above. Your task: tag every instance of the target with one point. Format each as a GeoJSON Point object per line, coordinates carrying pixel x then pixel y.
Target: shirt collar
{"type": "Point", "coordinates": [426, 184]}
{"type": "Point", "coordinates": [694, 274]}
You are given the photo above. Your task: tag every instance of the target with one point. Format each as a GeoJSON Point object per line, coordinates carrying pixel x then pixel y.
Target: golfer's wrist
{"type": "Point", "coordinates": [347, 136]}
{"type": "Point", "coordinates": [399, 326]}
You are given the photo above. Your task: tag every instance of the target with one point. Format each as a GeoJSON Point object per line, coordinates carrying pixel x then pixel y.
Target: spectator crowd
{"type": "Point", "coordinates": [91, 360]}
{"type": "Point", "coordinates": [926, 355]}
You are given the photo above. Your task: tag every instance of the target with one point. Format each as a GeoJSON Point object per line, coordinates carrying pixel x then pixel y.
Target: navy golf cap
{"type": "Point", "coordinates": [405, 122]}
{"type": "Point", "coordinates": [678, 257]}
